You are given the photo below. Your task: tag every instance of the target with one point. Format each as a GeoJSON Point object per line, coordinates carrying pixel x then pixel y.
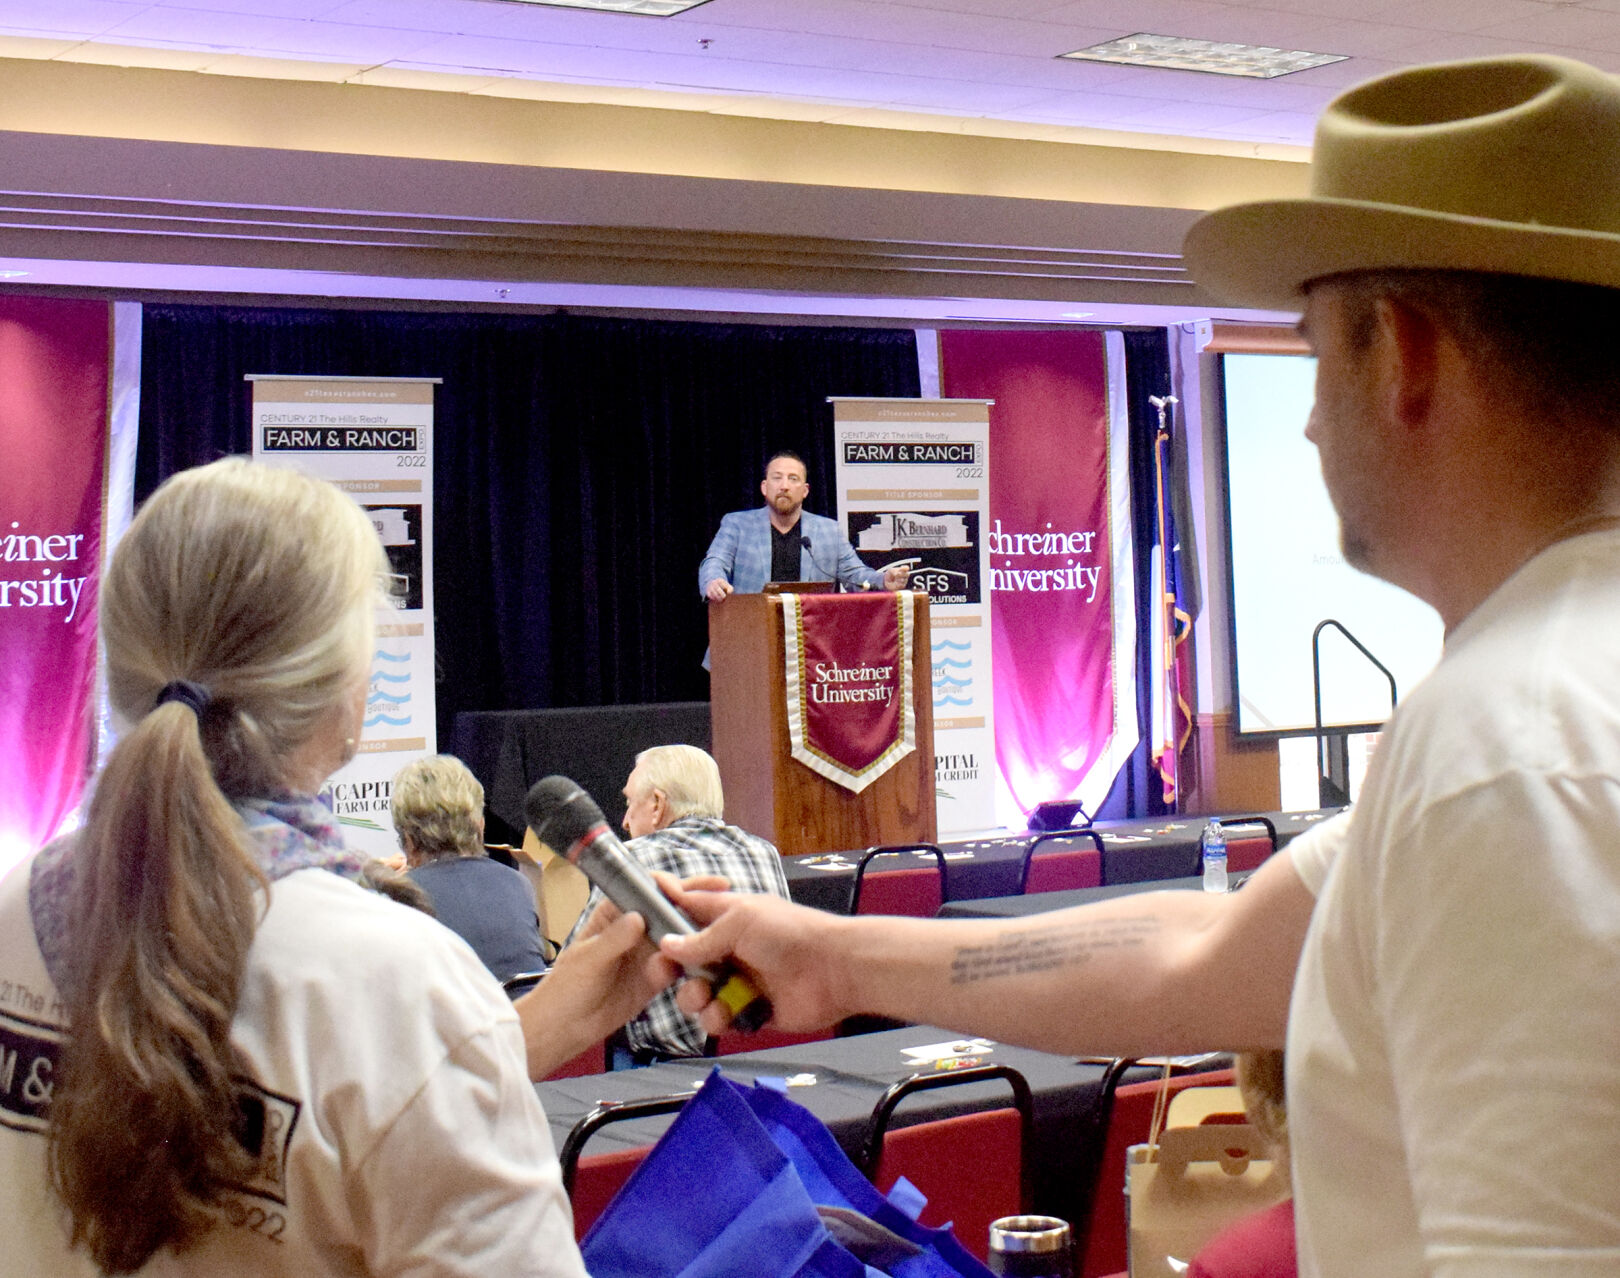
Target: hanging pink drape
{"type": "Point", "coordinates": [54, 359]}
{"type": "Point", "coordinates": [1051, 612]}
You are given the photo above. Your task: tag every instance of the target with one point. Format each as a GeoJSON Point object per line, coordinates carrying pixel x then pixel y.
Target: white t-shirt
{"type": "Point", "coordinates": [401, 1133]}
{"type": "Point", "coordinates": [1454, 1042]}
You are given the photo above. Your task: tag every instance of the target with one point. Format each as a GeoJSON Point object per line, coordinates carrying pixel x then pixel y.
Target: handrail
{"type": "Point", "coordinates": [1322, 779]}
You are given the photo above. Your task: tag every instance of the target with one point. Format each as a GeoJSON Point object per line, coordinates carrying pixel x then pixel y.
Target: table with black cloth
{"type": "Point", "coordinates": [1009, 907]}
{"type": "Point", "coordinates": [851, 1075]}
{"type": "Point", "coordinates": [1133, 852]}
{"type": "Point", "coordinates": [509, 750]}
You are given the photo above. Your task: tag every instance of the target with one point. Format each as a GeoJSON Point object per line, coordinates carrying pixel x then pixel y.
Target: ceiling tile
{"type": "Point", "coordinates": [70, 18]}
{"type": "Point", "coordinates": [534, 57]}
{"type": "Point", "coordinates": [1160, 17]}
{"type": "Point", "coordinates": [1086, 109]}
{"type": "Point", "coordinates": [1253, 26]}
{"type": "Point", "coordinates": [293, 9]}
{"type": "Point", "coordinates": [276, 37]}
{"type": "Point", "coordinates": [1356, 40]}
{"type": "Point", "coordinates": [448, 17]}
{"type": "Point", "coordinates": [1341, 75]}
{"type": "Point", "coordinates": [1564, 25]}
{"type": "Point", "coordinates": [1429, 47]}
{"type": "Point", "coordinates": [967, 99]}
{"type": "Point", "coordinates": [900, 23]}
{"type": "Point", "coordinates": [986, 8]}
{"type": "Point", "coordinates": [1277, 126]}
{"type": "Point", "coordinates": [1039, 73]}
{"type": "Point", "coordinates": [1192, 117]}
{"type": "Point", "coordinates": [1467, 15]}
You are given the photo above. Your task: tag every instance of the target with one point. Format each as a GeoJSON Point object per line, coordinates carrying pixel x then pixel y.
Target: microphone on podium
{"type": "Point", "coordinates": [568, 821]}
{"type": "Point", "coordinates": [811, 551]}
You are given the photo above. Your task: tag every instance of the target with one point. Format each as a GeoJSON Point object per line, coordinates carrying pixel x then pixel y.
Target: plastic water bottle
{"type": "Point", "coordinates": [1214, 852]}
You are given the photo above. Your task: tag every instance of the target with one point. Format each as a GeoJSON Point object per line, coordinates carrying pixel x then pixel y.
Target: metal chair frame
{"type": "Point", "coordinates": [1022, 1101]}
{"type": "Point", "coordinates": [600, 1116]}
{"type": "Point", "coordinates": [1029, 853]}
{"type": "Point", "coordinates": [1255, 819]}
{"type": "Point", "coordinates": [871, 853]}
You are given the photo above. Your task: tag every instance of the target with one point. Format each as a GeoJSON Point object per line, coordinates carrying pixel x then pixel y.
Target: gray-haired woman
{"type": "Point", "coordinates": [218, 1053]}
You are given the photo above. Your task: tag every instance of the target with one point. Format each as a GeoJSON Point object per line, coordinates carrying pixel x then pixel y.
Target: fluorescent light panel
{"type": "Point", "coordinates": [645, 8]}
{"type": "Point", "coordinates": [1177, 53]}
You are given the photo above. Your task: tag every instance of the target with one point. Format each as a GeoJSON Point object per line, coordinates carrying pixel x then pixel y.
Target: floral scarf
{"type": "Point", "coordinates": [287, 833]}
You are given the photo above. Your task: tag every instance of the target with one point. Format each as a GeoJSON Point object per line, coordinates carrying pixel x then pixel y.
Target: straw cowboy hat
{"type": "Point", "coordinates": [1506, 165]}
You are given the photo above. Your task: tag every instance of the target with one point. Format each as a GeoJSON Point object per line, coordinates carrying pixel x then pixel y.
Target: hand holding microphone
{"type": "Point", "coordinates": [566, 819]}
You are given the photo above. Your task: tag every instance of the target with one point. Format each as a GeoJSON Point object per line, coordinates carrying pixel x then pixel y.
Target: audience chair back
{"type": "Point", "coordinates": [899, 888]}
{"type": "Point", "coordinates": [1090, 1134]}
{"type": "Point", "coordinates": [1129, 1122]}
{"type": "Point", "coordinates": [522, 983]}
{"type": "Point", "coordinates": [591, 1180]}
{"type": "Point", "coordinates": [1062, 859]}
{"type": "Point", "coordinates": [973, 1168]}
{"type": "Point", "coordinates": [1246, 847]}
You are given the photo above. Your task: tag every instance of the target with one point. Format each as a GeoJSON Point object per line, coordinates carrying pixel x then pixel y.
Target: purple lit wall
{"type": "Point", "coordinates": [54, 358]}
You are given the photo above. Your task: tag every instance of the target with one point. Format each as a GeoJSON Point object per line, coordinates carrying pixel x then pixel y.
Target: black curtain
{"type": "Point", "coordinates": [580, 467]}
{"type": "Point", "coordinates": [1137, 790]}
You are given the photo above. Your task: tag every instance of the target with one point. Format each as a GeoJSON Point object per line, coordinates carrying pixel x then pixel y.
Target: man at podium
{"type": "Point", "coordinates": [781, 541]}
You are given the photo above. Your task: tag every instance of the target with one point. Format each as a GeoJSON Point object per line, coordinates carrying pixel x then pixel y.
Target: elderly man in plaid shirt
{"type": "Point", "coordinates": [673, 815]}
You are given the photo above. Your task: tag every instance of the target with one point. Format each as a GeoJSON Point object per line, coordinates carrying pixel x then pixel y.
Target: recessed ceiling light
{"type": "Point", "coordinates": [645, 8]}
{"type": "Point", "coordinates": [12, 275]}
{"type": "Point", "coordinates": [1258, 62]}
{"type": "Point", "coordinates": [1076, 314]}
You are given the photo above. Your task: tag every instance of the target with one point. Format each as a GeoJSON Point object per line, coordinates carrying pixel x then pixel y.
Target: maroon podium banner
{"type": "Point", "coordinates": [54, 360]}
{"type": "Point", "coordinates": [848, 676]}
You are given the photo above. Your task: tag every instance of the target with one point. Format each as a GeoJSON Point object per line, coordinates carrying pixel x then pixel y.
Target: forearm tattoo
{"type": "Point", "coordinates": [1047, 948]}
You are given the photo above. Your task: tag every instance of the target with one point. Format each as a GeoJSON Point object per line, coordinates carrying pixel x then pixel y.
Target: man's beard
{"type": "Point", "coordinates": [1355, 548]}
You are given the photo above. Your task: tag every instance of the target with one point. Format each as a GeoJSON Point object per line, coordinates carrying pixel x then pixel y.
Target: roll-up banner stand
{"type": "Point", "coordinates": [913, 486]}
{"type": "Point", "coordinates": [373, 438]}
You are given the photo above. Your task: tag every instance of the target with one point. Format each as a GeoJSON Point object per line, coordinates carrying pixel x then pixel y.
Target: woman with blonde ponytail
{"type": "Point", "coordinates": [218, 1053]}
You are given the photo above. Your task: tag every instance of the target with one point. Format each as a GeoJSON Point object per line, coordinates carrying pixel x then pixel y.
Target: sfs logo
{"type": "Point", "coordinates": [939, 582]}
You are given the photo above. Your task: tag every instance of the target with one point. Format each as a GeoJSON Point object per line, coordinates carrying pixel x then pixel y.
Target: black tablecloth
{"type": "Point", "coordinates": [1133, 852]}
{"type": "Point", "coordinates": [850, 1076]}
{"type": "Point", "coordinates": [509, 750]}
{"type": "Point", "coordinates": [1002, 907]}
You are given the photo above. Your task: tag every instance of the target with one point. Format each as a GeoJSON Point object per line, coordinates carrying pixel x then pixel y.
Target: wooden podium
{"type": "Point", "coordinates": [770, 793]}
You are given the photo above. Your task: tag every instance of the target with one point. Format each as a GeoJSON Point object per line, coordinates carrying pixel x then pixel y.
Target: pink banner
{"type": "Point", "coordinates": [54, 359]}
{"type": "Point", "coordinates": [1051, 601]}
{"type": "Point", "coordinates": [848, 681]}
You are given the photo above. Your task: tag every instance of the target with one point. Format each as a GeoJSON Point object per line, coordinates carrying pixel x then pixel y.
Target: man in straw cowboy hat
{"type": "Point", "coordinates": [1450, 952]}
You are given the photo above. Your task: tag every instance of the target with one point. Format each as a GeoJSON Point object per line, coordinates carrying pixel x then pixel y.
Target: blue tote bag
{"type": "Point", "coordinates": [746, 1182]}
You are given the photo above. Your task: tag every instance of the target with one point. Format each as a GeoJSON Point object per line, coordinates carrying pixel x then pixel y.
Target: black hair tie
{"type": "Point", "coordinates": [191, 694]}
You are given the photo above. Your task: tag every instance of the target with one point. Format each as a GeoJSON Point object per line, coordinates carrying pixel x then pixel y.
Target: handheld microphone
{"type": "Point", "coordinates": [567, 820]}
